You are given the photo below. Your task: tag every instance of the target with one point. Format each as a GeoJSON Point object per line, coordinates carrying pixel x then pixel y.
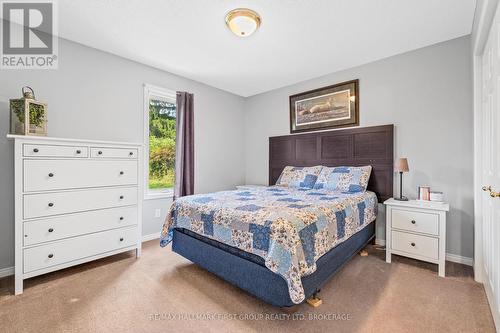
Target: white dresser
{"type": "Point", "coordinates": [417, 229]}
{"type": "Point", "coordinates": [75, 201]}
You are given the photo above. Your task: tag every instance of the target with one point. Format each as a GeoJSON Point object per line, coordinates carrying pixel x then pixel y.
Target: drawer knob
{"type": "Point", "coordinates": [51, 256]}
{"type": "Point", "coordinates": [131, 153]}
{"type": "Point", "coordinates": [412, 244]}
{"type": "Point", "coordinates": [99, 152]}
{"type": "Point", "coordinates": [413, 222]}
{"type": "Point", "coordinates": [51, 229]}
{"type": "Point", "coordinates": [78, 151]}
{"type": "Point", "coordinates": [121, 172]}
{"type": "Point", "coordinates": [51, 204]}
{"type": "Point", "coordinates": [121, 196]}
{"type": "Point", "coordinates": [121, 239]}
{"type": "Point", "coordinates": [35, 150]}
{"type": "Point", "coordinates": [121, 218]}
{"type": "Point", "coordinates": [51, 175]}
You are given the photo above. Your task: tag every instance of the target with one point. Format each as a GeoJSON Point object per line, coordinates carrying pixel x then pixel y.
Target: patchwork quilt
{"type": "Point", "coordinates": [291, 228]}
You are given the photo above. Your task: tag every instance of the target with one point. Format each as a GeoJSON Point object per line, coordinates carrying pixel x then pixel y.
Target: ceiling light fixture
{"type": "Point", "coordinates": [243, 21]}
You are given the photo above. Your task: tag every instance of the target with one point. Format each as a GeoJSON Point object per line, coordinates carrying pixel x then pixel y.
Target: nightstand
{"type": "Point", "coordinates": [416, 229]}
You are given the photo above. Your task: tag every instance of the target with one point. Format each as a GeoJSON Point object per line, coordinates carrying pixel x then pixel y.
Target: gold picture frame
{"type": "Point", "coordinates": [324, 108]}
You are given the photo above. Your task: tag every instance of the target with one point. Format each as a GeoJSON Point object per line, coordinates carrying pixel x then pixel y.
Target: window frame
{"type": "Point", "coordinates": [152, 90]}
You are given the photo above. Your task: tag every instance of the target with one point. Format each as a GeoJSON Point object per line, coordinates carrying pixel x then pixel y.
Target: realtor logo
{"type": "Point", "coordinates": [29, 38]}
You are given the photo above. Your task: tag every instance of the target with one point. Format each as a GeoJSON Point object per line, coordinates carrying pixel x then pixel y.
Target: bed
{"type": "Point", "coordinates": [282, 243]}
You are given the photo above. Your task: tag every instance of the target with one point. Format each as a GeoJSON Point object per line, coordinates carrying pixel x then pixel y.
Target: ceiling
{"type": "Point", "coordinates": [298, 39]}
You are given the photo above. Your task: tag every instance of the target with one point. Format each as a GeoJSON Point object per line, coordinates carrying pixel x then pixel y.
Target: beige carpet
{"type": "Point", "coordinates": [162, 292]}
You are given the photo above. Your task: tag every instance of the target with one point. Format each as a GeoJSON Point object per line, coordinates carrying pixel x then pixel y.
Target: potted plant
{"type": "Point", "coordinates": [27, 115]}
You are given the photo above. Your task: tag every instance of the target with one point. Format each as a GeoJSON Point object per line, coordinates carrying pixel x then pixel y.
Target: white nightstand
{"type": "Point", "coordinates": [248, 187]}
{"type": "Point", "coordinates": [416, 229]}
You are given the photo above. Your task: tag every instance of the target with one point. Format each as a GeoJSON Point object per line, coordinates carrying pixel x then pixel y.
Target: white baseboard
{"type": "Point", "coordinates": [449, 256]}
{"type": "Point", "coordinates": [7, 271]}
{"type": "Point", "coordinates": [149, 237]}
{"type": "Point", "coordinates": [459, 259]}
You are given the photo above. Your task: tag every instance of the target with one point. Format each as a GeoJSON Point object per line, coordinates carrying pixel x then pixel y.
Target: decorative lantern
{"type": "Point", "coordinates": [27, 115]}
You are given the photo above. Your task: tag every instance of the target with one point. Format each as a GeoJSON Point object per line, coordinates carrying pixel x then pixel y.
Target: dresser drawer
{"type": "Point", "coordinates": [31, 150]}
{"type": "Point", "coordinates": [43, 175]}
{"type": "Point", "coordinates": [70, 249]}
{"type": "Point", "coordinates": [59, 227]}
{"type": "Point", "coordinates": [113, 152]}
{"type": "Point", "coordinates": [427, 223]}
{"type": "Point", "coordinates": [415, 244]}
{"type": "Point", "coordinates": [48, 204]}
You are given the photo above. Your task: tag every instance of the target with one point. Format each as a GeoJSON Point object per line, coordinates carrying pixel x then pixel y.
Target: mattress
{"type": "Point", "coordinates": [290, 229]}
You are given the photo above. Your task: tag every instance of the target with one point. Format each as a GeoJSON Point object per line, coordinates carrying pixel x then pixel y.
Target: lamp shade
{"type": "Point", "coordinates": [401, 165]}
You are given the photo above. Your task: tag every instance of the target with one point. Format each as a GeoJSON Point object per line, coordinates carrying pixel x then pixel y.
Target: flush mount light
{"type": "Point", "coordinates": [243, 21]}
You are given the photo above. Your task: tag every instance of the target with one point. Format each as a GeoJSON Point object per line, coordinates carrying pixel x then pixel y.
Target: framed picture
{"type": "Point", "coordinates": [324, 108]}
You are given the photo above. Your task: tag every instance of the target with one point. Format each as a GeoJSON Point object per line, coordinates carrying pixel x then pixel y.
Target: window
{"type": "Point", "coordinates": [159, 140]}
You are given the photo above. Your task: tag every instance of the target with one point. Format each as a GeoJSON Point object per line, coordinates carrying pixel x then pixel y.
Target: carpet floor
{"type": "Point", "coordinates": [162, 292]}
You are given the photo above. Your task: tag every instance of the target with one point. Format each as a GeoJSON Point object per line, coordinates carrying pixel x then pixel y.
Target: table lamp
{"type": "Point", "coordinates": [401, 166]}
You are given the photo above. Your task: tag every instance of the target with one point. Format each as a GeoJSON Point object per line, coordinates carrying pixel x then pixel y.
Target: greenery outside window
{"type": "Point", "coordinates": [159, 139]}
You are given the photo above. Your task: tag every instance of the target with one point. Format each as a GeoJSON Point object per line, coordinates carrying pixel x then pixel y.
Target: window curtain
{"type": "Point", "coordinates": [184, 150]}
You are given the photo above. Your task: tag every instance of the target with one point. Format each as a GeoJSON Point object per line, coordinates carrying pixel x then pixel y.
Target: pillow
{"type": "Point", "coordinates": [344, 179]}
{"type": "Point", "coordinates": [299, 177]}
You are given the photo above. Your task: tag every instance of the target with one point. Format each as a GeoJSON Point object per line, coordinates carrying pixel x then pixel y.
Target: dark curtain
{"type": "Point", "coordinates": [184, 151]}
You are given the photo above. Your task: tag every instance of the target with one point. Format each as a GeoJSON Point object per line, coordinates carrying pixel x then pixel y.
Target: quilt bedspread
{"type": "Point", "coordinates": [291, 228]}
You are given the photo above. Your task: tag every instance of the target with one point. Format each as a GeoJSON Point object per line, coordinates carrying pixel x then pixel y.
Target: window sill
{"type": "Point", "coordinates": [158, 195]}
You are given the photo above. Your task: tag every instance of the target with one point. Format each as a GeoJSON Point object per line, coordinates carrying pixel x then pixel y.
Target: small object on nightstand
{"type": "Point", "coordinates": [401, 166]}
{"type": "Point", "coordinates": [417, 229]}
{"type": "Point", "coordinates": [424, 193]}
{"type": "Point", "coordinates": [436, 196]}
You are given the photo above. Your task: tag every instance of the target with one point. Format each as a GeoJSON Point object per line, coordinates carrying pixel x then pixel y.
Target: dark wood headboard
{"type": "Point", "coordinates": [348, 147]}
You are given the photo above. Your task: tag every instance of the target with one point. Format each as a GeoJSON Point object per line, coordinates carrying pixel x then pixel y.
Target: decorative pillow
{"type": "Point", "coordinates": [299, 177]}
{"type": "Point", "coordinates": [344, 179]}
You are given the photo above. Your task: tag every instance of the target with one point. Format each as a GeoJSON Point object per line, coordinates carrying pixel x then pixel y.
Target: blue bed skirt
{"type": "Point", "coordinates": [248, 272]}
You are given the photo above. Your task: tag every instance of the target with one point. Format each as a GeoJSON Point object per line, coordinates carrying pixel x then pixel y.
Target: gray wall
{"type": "Point", "coordinates": [96, 95]}
{"type": "Point", "coordinates": [427, 95]}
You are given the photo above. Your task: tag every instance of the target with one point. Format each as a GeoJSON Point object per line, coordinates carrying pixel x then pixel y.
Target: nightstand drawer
{"type": "Point", "coordinates": [427, 223]}
{"type": "Point", "coordinates": [415, 244]}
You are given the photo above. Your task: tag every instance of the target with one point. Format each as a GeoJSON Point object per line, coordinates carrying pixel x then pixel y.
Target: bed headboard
{"type": "Point", "coordinates": [347, 147]}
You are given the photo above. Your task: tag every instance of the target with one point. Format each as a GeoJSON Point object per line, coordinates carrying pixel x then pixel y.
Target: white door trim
{"type": "Point", "coordinates": [478, 202]}
{"type": "Point", "coordinates": [483, 19]}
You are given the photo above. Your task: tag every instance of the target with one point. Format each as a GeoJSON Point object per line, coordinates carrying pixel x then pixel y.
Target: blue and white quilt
{"type": "Point", "coordinates": [291, 228]}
